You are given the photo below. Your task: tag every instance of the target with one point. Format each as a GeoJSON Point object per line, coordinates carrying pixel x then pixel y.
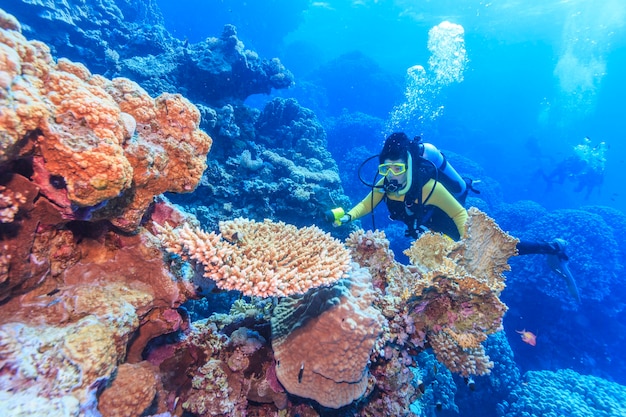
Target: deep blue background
{"type": "Point", "coordinates": [513, 48]}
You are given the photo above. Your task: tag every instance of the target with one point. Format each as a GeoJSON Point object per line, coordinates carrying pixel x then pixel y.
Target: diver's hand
{"type": "Point", "coordinates": [346, 218]}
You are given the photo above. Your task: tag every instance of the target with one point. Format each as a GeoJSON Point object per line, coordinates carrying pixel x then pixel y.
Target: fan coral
{"type": "Point", "coordinates": [263, 259]}
{"type": "Point", "coordinates": [449, 296]}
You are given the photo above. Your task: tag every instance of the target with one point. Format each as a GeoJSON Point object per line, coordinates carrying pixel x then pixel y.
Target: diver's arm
{"type": "Point", "coordinates": [445, 201]}
{"type": "Point", "coordinates": [365, 206]}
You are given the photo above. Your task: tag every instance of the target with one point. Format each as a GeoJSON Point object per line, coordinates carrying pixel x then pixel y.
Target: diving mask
{"type": "Point", "coordinates": [395, 168]}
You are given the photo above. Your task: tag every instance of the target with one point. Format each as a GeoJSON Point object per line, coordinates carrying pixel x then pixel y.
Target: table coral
{"type": "Point", "coordinates": [323, 341]}
{"type": "Point", "coordinates": [261, 258]}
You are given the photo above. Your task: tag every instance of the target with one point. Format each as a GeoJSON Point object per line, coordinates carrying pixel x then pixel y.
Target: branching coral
{"type": "Point", "coordinates": [261, 258]}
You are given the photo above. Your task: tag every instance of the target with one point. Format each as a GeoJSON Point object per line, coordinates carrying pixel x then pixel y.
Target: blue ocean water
{"type": "Point", "coordinates": [537, 79]}
{"type": "Point", "coordinates": [540, 75]}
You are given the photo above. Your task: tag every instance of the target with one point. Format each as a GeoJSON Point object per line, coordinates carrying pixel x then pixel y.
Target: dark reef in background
{"type": "Point", "coordinates": [127, 38]}
{"type": "Point", "coordinates": [356, 83]}
{"type": "Point", "coordinates": [95, 33]}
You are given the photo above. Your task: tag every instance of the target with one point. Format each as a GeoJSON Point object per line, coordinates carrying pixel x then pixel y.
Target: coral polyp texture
{"type": "Point", "coordinates": [99, 148]}
{"type": "Point", "coordinates": [262, 259]}
{"type": "Point", "coordinates": [10, 202]}
{"type": "Point", "coordinates": [323, 341]}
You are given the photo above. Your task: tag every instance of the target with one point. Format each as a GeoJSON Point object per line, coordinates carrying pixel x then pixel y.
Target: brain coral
{"type": "Point", "coordinates": [323, 341]}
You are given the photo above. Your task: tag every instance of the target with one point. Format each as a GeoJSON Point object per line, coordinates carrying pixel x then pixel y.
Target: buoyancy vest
{"type": "Point", "coordinates": [427, 163]}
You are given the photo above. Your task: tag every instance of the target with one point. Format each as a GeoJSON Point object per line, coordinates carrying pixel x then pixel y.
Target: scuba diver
{"type": "Point", "coordinates": [422, 189]}
{"type": "Point", "coordinates": [585, 168]}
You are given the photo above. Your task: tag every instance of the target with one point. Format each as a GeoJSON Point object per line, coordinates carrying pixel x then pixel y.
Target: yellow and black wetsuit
{"type": "Point", "coordinates": [441, 213]}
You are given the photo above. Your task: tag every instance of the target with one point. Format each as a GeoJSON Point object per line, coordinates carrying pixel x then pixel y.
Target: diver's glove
{"type": "Point", "coordinates": [337, 216]}
{"type": "Point", "coordinates": [559, 246]}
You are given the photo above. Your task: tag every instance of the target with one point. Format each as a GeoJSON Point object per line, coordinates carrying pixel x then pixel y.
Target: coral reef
{"type": "Point", "coordinates": [81, 162]}
{"type": "Point", "coordinates": [97, 148]}
{"type": "Point", "coordinates": [536, 292]}
{"type": "Point", "coordinates": [322, 342]}
{"type": "Point", "coordinates": [594, 270]}
{"type": "Point", "coordinates": [75, 328]}
{"type": "Point", "coordinates": [99, 33]}
{"type": "Point", "coordinates": [277, 167]}
{"type": "Point", "coordinates": [449, 298]}
{"type": "Point", "coordinates": [261, 259]}
{"type": "Point", "coordinates": [485, 392]}
{"type": "Point", "coordinates": [92, 321]}
{"type": "Point", "coordinates": [10, 202]}
{"type": "Point", "coordinates": [513, 218]}
{"type": "Point", "coordinates": [125, 397]}
{"type": "Point", "coordinates": [220, 365]}
{"type": "Point", "coordinates": [564, 393]}
{"type": "Point", "coordinates": [128, 39]}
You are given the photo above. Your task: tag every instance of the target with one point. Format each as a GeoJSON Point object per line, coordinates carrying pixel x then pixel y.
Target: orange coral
{"type": "Point", "coordinates": [459, 288]}
{"type": "Point", "coordinates": [10, 202]}
{"type": "Point", "coordinates": [101, 140]}
{"type": "Point", "coordinates": [466, 361]}
{"type": "Point", "coordinates": [448, 297]}
{"type": "Point", "coordinates": [125, 396]}
{"type": "Point", "coordinates": [101, 301]}
{"type": "Point", "coordinates": [486, 255]}
{"type": "Point", "coordinates": [370, 249]}
{"type": "Point", "coordinates": [261, 258]}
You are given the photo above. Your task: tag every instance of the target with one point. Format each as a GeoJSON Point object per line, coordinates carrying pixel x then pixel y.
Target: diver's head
{"type": "Point", "coordinates": [396, 147]}
{"type": "Point", "coordinates": [394, 162]}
